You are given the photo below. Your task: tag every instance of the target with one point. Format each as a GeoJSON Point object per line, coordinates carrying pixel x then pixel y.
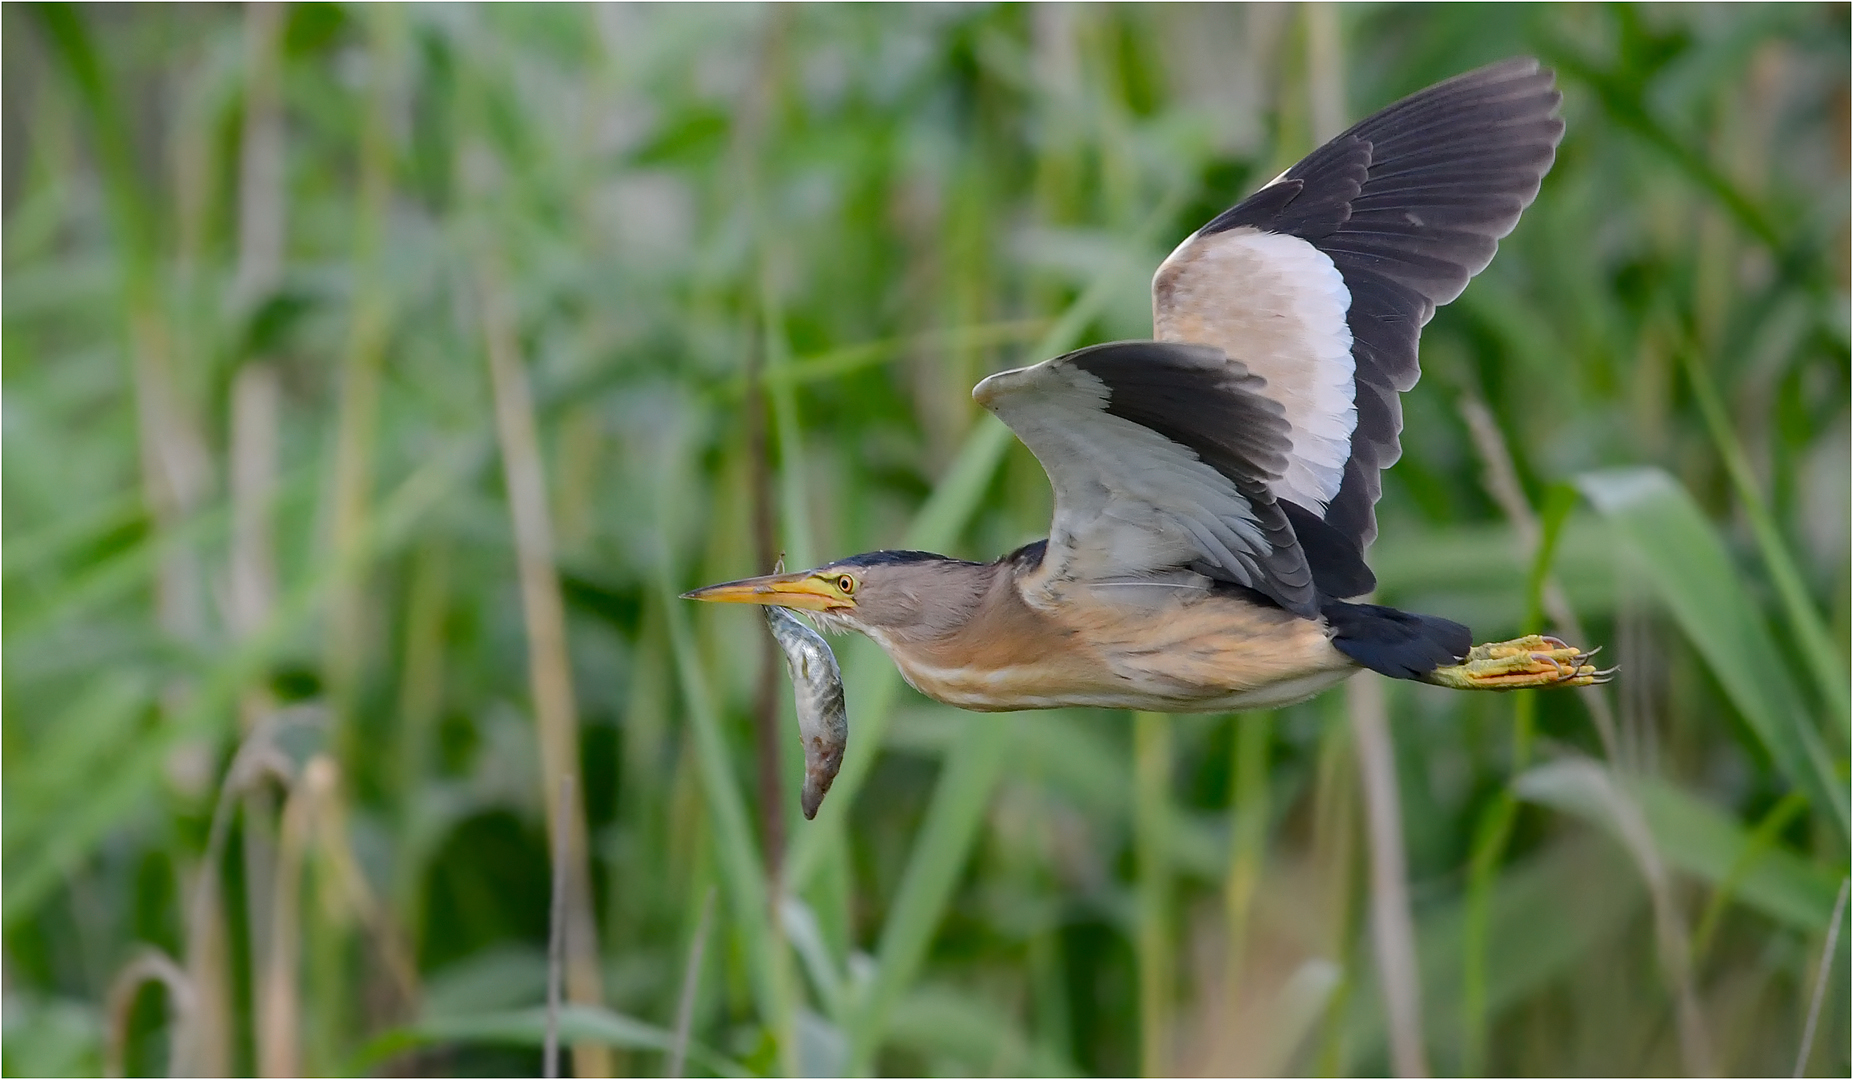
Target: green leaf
{"type": "Point", "coordinates": [1533, 938]}
{"type": "Point", "coordinates": [939, 855]}
{"type": "Point", "coordinates": [115, 796]}
{"type": "Point", "coordinates": [1697, 837]}
{"type": "Point", "coordinates": [941, 1020]}
{"type": "Point", "coordinates": [1823, 659]}
{"type": "Point", "coordinates": [528, 1027]}
{"type": "Point", "coordinates": [1681, 558]}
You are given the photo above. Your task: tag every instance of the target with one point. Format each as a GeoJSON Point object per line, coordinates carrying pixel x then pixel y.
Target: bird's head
{"type": "Point", "coordinates": [892, 596]}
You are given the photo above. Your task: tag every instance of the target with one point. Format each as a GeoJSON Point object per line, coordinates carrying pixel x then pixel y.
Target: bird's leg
{"type": "Point", "coordinates": [1530, 662]}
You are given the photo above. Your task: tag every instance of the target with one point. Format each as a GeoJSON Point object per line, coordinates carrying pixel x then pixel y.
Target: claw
{"type": "Point", "coordinates": [1532, 662]}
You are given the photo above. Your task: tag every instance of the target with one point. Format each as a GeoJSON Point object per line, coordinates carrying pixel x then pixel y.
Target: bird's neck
{"type": "Point", "coordinates": [990, 626]}
{"type": "Point", "coordinates": [999, 653]}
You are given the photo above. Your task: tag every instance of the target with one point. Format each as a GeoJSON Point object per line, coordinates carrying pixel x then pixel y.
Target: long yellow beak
{"type": "Point", "coordinates": [806, 591]}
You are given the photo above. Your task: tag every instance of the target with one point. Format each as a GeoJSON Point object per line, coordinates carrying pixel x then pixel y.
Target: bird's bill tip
{"type": "Point", "coordinates": [804, 591]}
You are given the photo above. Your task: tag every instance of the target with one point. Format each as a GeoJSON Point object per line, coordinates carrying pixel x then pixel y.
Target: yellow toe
{"type": "Point", "coordinates": [1531, 662]}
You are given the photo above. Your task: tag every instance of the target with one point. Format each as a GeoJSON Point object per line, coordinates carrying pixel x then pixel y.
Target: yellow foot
{"type": "Point", "coordinates": [1527, 663]}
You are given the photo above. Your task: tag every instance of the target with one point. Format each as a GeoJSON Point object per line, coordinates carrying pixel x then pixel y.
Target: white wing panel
{"type": "Point", "coordinates": [1277, 304]}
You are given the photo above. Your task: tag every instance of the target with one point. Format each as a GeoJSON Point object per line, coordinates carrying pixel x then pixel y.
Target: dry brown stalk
{"type": "Point", "coordinates": [1392, 926]}
{"type": "Point", "coordinates": [1820, 979]}
{"type": "Point", "coordinates": [1502, 483]}
{"type": "Point", "coordinates": [771, 663]}
{"type": "Point", "coordinates": [151, 965]}
{"type": "Point", "coordinates": [279, 1005]}
{"type": "Point", "coordinates": [549, 667]}
{"type": "Point", "coordinates": [556, 935]}
{"type": "Point", "coordinates": [1671, 941]}
{"type": "Point", "coordinates": [748, 137]}
{"type": "Point", "coordinates": [202, 1039]}
{"type": "Point", "coordinates": [348, 895]}
{"type": "Point", "coordinates": [252, 467]}
{"type": "Point", "coordinates": [358, 415]}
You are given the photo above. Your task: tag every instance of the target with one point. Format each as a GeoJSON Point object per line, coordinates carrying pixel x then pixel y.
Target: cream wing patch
{"type": "Point", "coordinates": [1277, 304]}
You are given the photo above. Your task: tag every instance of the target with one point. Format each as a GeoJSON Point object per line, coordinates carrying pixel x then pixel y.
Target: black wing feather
{"type": "Point", "coordinates": [1198, 398]}
{"type": "Point", "coordinates": [1410, 204]}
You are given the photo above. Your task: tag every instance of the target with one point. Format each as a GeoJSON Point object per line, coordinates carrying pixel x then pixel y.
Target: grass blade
{"type": "Point", "coordinates": [741, 870]}
{"type": "Point", "coordinates": [1826, 662]}
{"type": "Point", "coordinates": [528, 1027]}
{"type": "Point", "coordinates": [1695, 836]}
{"type": "Point", "coordinates": [691, 980]}
{"type": "Point", "coordinates": [1248, 836]}
{"type": "Point", "coordinates": [939, 855]}
{"type": "Point", "coordinates": [60, 841]}
{"type": "Point", "coordinates": [1600, 795]}
{"type": "Point", "coordinates": [1680, 556]}
{"type": "Point", "coordinates": [1820, 979]}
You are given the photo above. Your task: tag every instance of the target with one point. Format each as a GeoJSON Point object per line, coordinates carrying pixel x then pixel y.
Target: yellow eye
{"type": "Point", "coordinates": [846, 584]}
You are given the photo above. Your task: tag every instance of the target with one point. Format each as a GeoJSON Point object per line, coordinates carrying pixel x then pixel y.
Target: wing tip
{"type": "Point", "coordinates": [1510, 69]}
{"type": "Point", "coordinates": [994, 386]}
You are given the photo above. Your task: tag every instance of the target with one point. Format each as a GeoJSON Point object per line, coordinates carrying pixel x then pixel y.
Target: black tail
{"type": "Point", "coordinates": [1395, 643]}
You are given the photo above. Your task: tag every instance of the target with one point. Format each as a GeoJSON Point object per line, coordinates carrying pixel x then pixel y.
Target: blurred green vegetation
{"type": "Point", "coordinates": [339, 339]}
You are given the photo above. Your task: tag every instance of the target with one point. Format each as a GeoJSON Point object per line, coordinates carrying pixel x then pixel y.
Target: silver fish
{"type": "Point", "coordinates": [817, 685]}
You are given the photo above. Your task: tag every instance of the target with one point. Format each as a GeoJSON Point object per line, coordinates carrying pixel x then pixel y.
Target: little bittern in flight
{"type": "Point", "coordinates": [1215, 488]}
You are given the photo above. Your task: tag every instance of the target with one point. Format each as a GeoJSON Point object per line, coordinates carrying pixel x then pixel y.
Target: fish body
{"type": "Point", "coordinates": [817, 686]}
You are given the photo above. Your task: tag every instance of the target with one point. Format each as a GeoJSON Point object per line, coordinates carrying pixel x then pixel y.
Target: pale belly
{"type": "Point", "coordinates": [1214, 655]}
{"type": "Point", "coordinates": [991, 694]}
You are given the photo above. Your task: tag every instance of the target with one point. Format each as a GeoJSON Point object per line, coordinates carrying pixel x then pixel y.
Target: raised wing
{"type": "Point", "coordinates": [1162, 456]}
{"type": "Point", "coordinates": [1320, 282]}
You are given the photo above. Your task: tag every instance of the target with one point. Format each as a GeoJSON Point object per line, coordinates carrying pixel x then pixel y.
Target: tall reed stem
{"type": "Point", "coordinates": [357, 417]}
{"type": "Point", "coordinates": [1151, 757]}
{"type": "Point", "coordinates": [1249, 810]}
{"type": "Point", "coordinates": [1392, 926]}
{"type": "Point", "coordinates": [549, 666]}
